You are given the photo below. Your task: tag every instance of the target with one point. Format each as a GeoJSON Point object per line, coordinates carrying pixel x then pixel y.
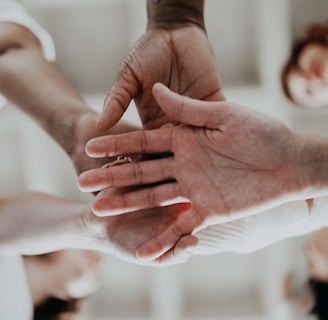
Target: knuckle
{"type": "Point", "coordinates": [143, 142]}
{"type": "Point", "coordinates": [138, 175]}
{"type": "Point", "coordinates": [177, 230]}
{"type": "Point", "coordinates": [152, 198]}
{"type": "Point", "coordinates": [108, 177]}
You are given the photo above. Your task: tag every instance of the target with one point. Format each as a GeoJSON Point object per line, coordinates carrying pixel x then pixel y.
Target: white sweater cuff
{"type": "Point", "coordinates": [255, 232]}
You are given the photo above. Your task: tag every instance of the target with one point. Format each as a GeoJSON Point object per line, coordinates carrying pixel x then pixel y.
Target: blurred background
{"type": "Point", "coordinates": [251, 39]}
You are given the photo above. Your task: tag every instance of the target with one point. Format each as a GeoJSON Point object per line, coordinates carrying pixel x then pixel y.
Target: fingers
{"type": "Point", "coordinates": [137, 142]}
{"type": "Point", "coordinates": [125, 175]}
{"type": "Point", "coordinates": [181, 252]}
{"type": "Point", "coordinates": [158, 246]}
{"type": "Point", "coordinates": [190, 111]}
{"type": "Point", "coordinates": [112, 204]}
{"type": "Point", "coordinates": [118, 99]}
{"type": "Point", "coordinates": [185, 245]}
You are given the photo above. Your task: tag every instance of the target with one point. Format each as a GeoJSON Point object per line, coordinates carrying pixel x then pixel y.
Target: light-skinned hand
{"type": "Point", "coordinates": [228, 160]}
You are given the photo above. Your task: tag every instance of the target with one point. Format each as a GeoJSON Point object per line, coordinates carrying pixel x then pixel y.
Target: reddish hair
{"type": "Point", "coordinates": [314, 34]}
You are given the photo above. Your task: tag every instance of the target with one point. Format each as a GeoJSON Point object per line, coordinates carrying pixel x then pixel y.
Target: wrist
{"type": "Point", "coordinates": [172, 14]}
{"type": "Point", "coordinates": [69, 127]}
{"type": "Point", "coordinates": [92, 231]}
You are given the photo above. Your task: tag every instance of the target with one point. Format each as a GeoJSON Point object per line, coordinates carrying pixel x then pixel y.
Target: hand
{"type": "Point", "coordinates": [180, 58]}
{"type": "Point", "coordinates": [122, 235]}
{"type": "Point", "coordinates": [84, 130]}
{"type": "Point", "coordinates": [36, 223]}
{"type": "Point", "coordinates": [233, 163]}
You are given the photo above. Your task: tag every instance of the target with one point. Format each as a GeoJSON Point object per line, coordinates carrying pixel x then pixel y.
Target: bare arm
{"type": "Point", "coordinates": [37, 86]}
{"type": "Point", "coordinates": [36, 223]}
{"type": "Point", "coordinates": [40, 90]}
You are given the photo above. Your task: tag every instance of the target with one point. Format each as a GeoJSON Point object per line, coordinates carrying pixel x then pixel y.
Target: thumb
{"type": "Point", "coordinates": [190, 111]}
{"type": "Point", "coordinates": [118, 99]}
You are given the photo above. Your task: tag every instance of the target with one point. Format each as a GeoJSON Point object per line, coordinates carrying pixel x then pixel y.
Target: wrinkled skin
{"type": "Point", "coordinates": [231, 163]}
{"type": "Point", "coordinates": [181, 58]}
{"type": "Point", "coordinates": [122, 235]}
{"type": "Point", "coordinates": [84, 130]}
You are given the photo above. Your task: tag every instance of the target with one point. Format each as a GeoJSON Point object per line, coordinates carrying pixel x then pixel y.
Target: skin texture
{"type": "Point", "coordinates": [213, 163]}
{"type": "Point", "coordinates": [57, 108]}
{"type": "Point", "coordinates": [37, 223]}
{"type": "Point", "coordinates": [175, 51]}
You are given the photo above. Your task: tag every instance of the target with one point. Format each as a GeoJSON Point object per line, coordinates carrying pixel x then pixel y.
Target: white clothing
{"type": "Point", "coordinates": [258, 231]}
{"type": "Point", "coordinates": [15, 299]}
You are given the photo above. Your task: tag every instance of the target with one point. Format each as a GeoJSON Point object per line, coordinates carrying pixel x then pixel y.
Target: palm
{"type": "Point", "coordinates": [124, 234]}
{"type": "Point", "coordinates": [225, 173]}
{"type": "Point", "coordinates": [231, 163]}
{"type": "Point", "coordinates": [182, 59]}
{"type": "Point", "coordinates": [242, 161]}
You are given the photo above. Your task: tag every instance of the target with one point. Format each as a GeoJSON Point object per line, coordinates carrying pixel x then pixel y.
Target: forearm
{"type": "Point", "coordinates": [35, 223]}
{"type": "Point", "coordinates": [312, 165]}
{"type": "Point", "coordinates": [38, 89]}
{"type": "Point", "coordinates": [170, 14]}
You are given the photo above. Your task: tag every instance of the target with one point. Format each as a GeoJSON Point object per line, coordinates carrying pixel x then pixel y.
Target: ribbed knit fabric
{"type": "Point", "coordinates": [258, 231]}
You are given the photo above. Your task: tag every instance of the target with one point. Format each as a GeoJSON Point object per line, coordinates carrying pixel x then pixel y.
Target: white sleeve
{"type": "Point", "coordinates": [256, 232]}
{"type": "Point", "coordinates": [12, 11]}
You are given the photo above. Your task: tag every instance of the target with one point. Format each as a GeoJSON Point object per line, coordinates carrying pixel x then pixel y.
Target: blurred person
{"type": "Point", "coordinates": [35, 223]}
{"type": "Point", "coordinates": [60, 281]}
{"type": "Point", "coordinates": [316, 252]}
{"type": "Point", "coordinates": [306, 295]}
{"type": "Point", "coordinates": [305, 74]}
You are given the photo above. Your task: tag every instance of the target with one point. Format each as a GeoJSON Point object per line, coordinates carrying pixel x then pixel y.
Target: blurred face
{"type": "Point", "coordinates": [308, 84]}
{"type": "Point", "coordinates": [316, 252]}
{"type": "Point", "coordinates": [76, 273]}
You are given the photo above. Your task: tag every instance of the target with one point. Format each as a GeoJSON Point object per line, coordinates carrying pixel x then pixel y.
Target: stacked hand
{"type": "Point", "coordinates": [122, 235]}
{"type": "Point", "coordinates": [229, 161]}
{"type": "Point", "coordinates": [84, 130]}
{"type": "Point", "coordinates": [180, 58]}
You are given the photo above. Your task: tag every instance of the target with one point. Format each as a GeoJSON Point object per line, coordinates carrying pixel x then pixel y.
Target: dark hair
{"type": "Point", "coordinates": [314, 34]}
{"type": "Point", "coordinates": [320, 294]}
{"type": "Point", "coordinates": [57, 309]}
